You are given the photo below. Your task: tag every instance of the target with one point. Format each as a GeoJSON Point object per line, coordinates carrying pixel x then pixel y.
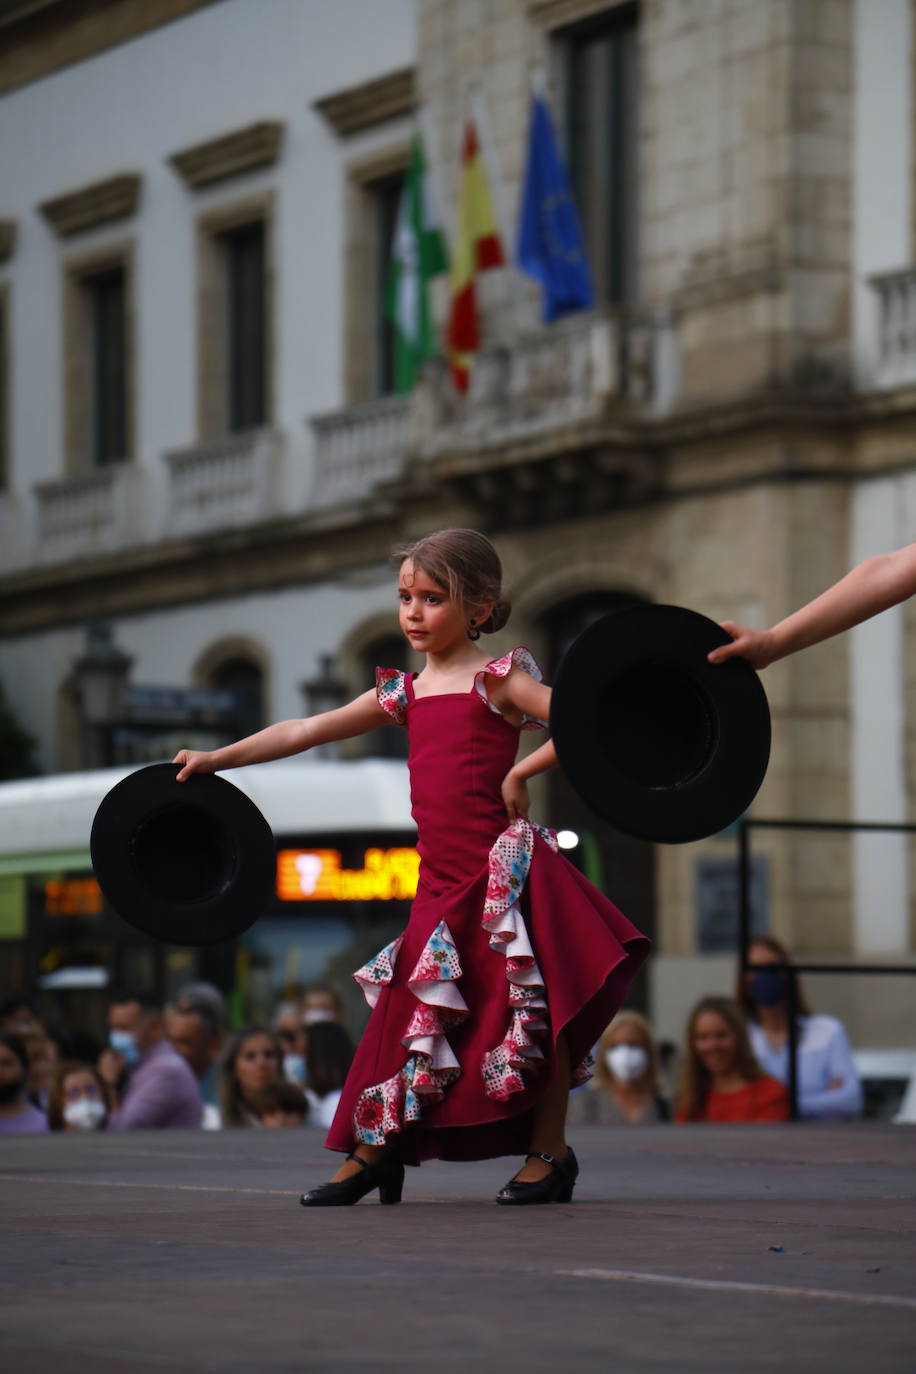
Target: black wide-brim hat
{"type": "Point", "coordinates": [663, 744]}
{"type": "Point", "coordinates": [191, 863]}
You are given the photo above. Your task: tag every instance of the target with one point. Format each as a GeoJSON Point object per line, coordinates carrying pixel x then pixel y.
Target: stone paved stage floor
{"type": "Point", "coordinates": [189, 1252]}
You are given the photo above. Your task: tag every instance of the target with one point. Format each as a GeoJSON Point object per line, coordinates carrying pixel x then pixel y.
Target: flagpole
{"type": "Point", "coordinates": [481, 119]}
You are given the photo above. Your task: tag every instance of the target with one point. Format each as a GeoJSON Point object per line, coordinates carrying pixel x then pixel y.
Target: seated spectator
{"type": "Point", "coordinates": [202, 994]}
{"type": "Point", "coordinates": [328, 1055]}
{"type": "Point", "coordinates": [281, 1104]}
{"type": "Point", "coordinates": [159, 1090]}
{"type": "Point", "coordinates": [43, 1064]}
{"type": "Point", "coordinates": [287, 1027]}
{"type": "Point", "coordinates": [78, 1099]}
{"type": "Point", "coordinates": [251, 1060]}
{"type": "Point", "coordinates": [19, 1015]}
{"type": "Point", "coordinates": [321, 1003]}
{"type": "Point", "coordinates": [194, 1032]}
{"type": "Point", "coordinates": [720, 1078]}
{"type": "Point", "coordinates": [828, 1085]}
{"type": "Point", "coordinates": [625, 1087]}
{"type": "Point", "coordinates": [17, 1114]}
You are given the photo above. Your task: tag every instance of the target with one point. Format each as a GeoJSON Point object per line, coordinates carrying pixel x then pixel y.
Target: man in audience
{"type": "Point", "coordinates": [160, 1088]}
{"type": "Point", "coordinates": [194, 1032]}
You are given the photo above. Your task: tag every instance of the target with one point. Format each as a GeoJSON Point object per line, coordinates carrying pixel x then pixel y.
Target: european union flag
{"type": "Point", "coordinates": [550, 246]}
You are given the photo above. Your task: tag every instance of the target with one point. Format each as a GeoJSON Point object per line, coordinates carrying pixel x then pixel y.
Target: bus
{"type": "Point", "coordinates": [346, 872]}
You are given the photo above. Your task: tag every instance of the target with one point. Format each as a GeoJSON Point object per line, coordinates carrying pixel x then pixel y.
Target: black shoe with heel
{"type": "Point", "coordinates": [556, 1186]}
{"type": "Point", "coordinates": [386, 1174]}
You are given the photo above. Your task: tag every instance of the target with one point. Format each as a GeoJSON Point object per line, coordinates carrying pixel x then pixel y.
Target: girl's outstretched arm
{"type": "Point", "coordinates": [871, 587]}
{"type": "Point", "coordinates": [287, 737]}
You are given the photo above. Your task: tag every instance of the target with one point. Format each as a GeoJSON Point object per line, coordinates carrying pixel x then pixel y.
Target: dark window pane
{"type": "Point", "coordinates": [246, 327]}
{"type": "Point", "coordinates": [246, 681]}
{"type": "Point", "coordinates": [387, 199]}
{"type": "Point", "coordinates": [601, 80]}
{"type": "Point", "coordinates": [107, 322]}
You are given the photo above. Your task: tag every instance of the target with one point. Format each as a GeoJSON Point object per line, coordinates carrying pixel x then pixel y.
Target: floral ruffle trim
{"type": "Point", "coordinates": [431, 1065]}
{"type": "Point", "coordinates": [391, 692]}
{"type": "Point", "coordinates": [501, 667]}
{"type": "Point", "coordinates": [509, 862]}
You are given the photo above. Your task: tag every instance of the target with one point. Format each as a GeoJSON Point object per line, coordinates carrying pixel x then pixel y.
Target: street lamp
{"type": "Point", "coordinates": [101, 682]}
{"type": "Point", "coordinates": [324, 693]}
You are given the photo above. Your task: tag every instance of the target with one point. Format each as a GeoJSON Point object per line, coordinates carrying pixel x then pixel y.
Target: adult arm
{"type": "Point", "coordinates": [287, 737]}
{"type": "Point", "coordinates": [842, 1099]}
{"type": "Point", "coordinates": [871, 587]}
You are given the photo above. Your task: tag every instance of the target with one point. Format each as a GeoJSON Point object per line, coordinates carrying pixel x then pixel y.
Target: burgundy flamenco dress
{"type": "Point", "coordinates": [507, 945]}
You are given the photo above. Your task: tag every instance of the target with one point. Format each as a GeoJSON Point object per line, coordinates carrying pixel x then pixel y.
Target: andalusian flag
{"type": "Point", "coordinates": [477, 246]}
{"type": "Point", "coordinates": [417, 254]}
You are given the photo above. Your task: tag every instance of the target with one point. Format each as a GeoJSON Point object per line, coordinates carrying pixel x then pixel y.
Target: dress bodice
{"type": "Point", "coordinates": [460, 749]}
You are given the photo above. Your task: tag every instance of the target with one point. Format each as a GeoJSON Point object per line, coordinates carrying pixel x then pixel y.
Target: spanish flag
{"type": "Point", "coordinates": [476, 247]}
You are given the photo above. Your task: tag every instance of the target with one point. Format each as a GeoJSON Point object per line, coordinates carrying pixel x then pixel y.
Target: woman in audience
{"type": "Point", "coordinates": [78, 1099]}
{"type": "Point", "coordinates": [828, 1085]}
{"type": "Point", "coordinates": [251, 1060]}
{"type": "Point", "coordinates": [328, 1054]}
{"type": "Point", "coordinates": [720, 1078]}
{"type": "Point", "coordinates": [625, 1088]}
{"type": "Point", "coordinates": [17, 1114]}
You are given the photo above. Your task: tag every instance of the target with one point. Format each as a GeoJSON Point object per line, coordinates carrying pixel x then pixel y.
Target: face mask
{"type": "Point", "coordinates": [85, 1114]}
{"type": "Point", "coordinates": [627, 1062]}
{"type": "Point", "coordinates": [10, 1091]}
{"type": "Point", "coordinates": [125, 1044]}
{"type": "Point", "coordinates": [311, 1018]}
{"type": "Point", "coordinates": [768, 987]}
{"type": "Point", "coordinates": [294, 1067]}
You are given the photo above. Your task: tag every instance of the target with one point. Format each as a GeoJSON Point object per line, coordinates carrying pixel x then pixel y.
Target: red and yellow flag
{"type": "Point", "coordinates": [476, 247]}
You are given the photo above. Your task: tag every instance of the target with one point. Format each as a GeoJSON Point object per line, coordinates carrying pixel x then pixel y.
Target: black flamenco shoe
{"type": "Point", "coordinates": [386, 1174]}
{"type": "Point", "coordinates": [557, 1186]}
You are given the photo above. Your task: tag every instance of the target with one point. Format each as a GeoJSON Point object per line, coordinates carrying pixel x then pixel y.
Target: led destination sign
{"type": "Point", "coordinates": [318, 875]}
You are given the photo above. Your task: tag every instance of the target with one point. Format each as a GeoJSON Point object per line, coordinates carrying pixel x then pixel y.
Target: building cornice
{"type": "Point", "coordinates": [556, 14]}
{"type": "Point", "coordinates": [41, 37]}
{"type": "Point", "coordinates": [230, 155]}
{"type": "Point", "coordinates": [372, 102]}
{"type": "Point", "coordinates": [75, 211]}
{"type": "Point", "coordinates": [7, 239]}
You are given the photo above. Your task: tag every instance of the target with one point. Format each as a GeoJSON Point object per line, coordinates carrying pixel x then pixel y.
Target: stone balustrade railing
{"type": "Point", "coordinates": [223, 483]}
{"type": "Point", "coordinates": [359, 447]}
{"type": "Point", "coordinates": [896, 361]}
{"type": "Point", "coordinates": [85, 515]}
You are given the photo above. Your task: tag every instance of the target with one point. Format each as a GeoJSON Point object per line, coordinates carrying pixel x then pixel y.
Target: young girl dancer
{"type": "Point", "coordinates": [512, 964]}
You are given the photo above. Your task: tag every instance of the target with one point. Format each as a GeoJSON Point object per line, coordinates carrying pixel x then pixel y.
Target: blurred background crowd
{"type": "Point", "coordinates": [180, 1066]}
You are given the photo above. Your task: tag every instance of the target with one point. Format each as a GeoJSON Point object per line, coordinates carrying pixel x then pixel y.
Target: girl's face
{"type": "Point", "coordinates": [256, 1064]}
{"type": "Point", "coordinates": [429, 619]}
{"type": "Point", "coordinates": [80, 1083]}
{"type": "Point", "coordinates": [714, 1042]}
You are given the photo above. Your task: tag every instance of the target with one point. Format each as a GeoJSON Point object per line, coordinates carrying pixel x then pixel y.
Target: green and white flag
{"type": "Point", "coordinates": [418, 253]}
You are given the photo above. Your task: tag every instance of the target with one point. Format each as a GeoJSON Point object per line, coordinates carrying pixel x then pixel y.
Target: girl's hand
{"type": "Point", "coordinates": [515, 795]}
{"type": "Point", "coordinates": [755, 645]}
{"type": "Point", "coordinates": [194, 761]}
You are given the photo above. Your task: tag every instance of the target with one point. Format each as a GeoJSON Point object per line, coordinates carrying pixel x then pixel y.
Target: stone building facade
{"type": "Point", "coordinates": [729, 430]}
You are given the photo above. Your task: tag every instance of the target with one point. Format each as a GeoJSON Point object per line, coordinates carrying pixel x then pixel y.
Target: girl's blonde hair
{"type": "Point", "coordinates": [603, 1078]}
{"type": "Point", "coordinates": [466, 565]}
{"type": "Point", "coordinates": [695, 1081]}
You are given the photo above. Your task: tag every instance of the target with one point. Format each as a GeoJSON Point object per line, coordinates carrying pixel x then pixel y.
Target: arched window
{"type": "Point", "coordinates": [387, 651]}
{"type": "Point", "coordinates": [622, 867]}
{"type": "Point", "coordinates": [245, 680]}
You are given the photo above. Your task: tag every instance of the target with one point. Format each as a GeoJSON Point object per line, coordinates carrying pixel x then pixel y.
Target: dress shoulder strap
{"type": "Point", "coordinates": [519, 657]}
{"type": "Point", "coordinates": [391, 692]}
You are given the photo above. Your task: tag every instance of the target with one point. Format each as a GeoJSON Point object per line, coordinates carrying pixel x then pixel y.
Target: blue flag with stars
{"type": "Point", "coordinates": [550, 246]}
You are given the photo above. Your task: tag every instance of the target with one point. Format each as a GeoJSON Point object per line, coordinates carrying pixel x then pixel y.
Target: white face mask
{"type": "Point", "coordinates": [316, 1014]}
{"type": "Point", "coordinates": [294, 1068]}
{"type": "Point", "coordinates": [85, 1114]}
{"type": "Point", "coordinates": [627, 1062]}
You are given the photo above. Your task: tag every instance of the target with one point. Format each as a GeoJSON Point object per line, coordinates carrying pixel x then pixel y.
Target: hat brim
{"type": "Point", "coordinates": [189, 863]}
{"type": "Point", "coordinates": [662, 744]}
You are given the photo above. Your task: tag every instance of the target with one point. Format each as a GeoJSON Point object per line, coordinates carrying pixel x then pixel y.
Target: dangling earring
{"type": "Point", "coordinates": [473, 632]}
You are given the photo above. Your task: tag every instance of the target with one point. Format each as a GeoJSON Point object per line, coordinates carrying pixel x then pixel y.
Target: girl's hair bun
{"type": "Point", "coordinates": [497, 618]}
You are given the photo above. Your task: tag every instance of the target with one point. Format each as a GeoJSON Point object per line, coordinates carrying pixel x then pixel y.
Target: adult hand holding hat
{"type": "Point", "coordinates": [657, 740]}
{"type": "Point", "coordinates": [190, 863]}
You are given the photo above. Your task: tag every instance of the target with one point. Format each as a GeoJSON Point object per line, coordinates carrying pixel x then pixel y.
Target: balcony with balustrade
{"type": "Point", "coordinates": [895, 364]}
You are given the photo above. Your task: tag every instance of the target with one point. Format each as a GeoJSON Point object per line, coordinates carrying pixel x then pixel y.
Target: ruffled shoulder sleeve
{"type": "Point", "coordinates": [391, 691]}
{"type": "Point", "coordinates": [519, 657]}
